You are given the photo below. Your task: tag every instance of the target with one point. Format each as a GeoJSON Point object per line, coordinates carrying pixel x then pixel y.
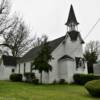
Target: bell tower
{"type": "Point", "coordinates": [72, 23]}
{"type": "Point", "coordinates": [72, 26]}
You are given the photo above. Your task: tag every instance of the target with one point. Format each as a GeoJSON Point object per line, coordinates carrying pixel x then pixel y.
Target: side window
{"type": "Point", "coordinates": [19, 69]}
{"type": "Point", "coordinates": [24, 67]}
{"type": "Point", "coordinates": [80, 62]}
{"type": "Point", "coordinates": [13, 70]}
{"type": "Point", "coordinates": [77, 62]}
{"type": "Point", "coordinates": [31, 67]}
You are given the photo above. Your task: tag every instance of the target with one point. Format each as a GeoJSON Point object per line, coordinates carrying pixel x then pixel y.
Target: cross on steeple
{"type": "Point", "coordinates": [72, 21]}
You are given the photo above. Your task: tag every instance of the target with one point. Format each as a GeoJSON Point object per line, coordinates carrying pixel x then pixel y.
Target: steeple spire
{"type": "Point", "coordinates": [71, 17]}
{"type": "Point", "coordinates": [72, 26]}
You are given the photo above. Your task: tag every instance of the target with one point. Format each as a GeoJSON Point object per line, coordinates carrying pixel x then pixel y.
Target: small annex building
{"type": "Point", "coordinates": [7, 66]}
{"type": "Point", "coordinates": [96, 68]}
{"type": "Point", "coordinates": [67, 52]}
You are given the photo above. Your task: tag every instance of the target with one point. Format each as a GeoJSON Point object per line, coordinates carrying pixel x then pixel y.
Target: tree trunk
{"type": "Point", "coordinates": [90, 67]}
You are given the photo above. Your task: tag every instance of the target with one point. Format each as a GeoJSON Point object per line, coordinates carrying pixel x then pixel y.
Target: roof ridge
{"type": "Point", "coordinates": [56, 39]}
{"type": "Point", "coordinates": [32, 53]}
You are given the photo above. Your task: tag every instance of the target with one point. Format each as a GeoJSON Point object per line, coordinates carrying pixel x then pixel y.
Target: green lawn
{"type": "Point", "coordinates": [25, 91]}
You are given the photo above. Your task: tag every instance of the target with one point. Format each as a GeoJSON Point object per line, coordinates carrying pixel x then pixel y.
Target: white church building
{"type": "Point", "coordinates": [67, 52]}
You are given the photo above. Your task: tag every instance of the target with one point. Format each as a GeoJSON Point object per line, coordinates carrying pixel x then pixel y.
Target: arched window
{"type": "Point", "coordinates": [80, 62]}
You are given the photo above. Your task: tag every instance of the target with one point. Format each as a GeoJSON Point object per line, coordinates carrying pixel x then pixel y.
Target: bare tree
{"type": "Point", "coordinates": [17, 38]}
{"type": "Point", "coordinates": [91, 54]}
{"type": "Point", "coordinates": [38, 41]}
{"type": "Point", "coordinates": [5, 21]}
{"type": "Point", "coordinates": [93, 46]}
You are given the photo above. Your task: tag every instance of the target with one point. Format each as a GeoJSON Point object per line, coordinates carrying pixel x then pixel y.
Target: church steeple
{"type": "Point", "coordinates": [72, 21]}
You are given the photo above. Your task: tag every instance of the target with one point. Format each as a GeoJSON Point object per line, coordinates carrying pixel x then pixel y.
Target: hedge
{"type": "Point", "coordinates": [35, 81]}
{"type": "Point", "coordinates": [16, 77]}
{"type": "Point", "coordinates": [93, 87]}
{"type": "Point", "coordinates": [81, 79]}
{"type": "Point", "coordinates": [29, 76]}
{"type": "Point", "coordinates": [62, 81]}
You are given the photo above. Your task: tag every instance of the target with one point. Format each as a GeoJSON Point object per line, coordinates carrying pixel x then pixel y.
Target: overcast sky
{"type": "Point", "coordinates": [49, 16]}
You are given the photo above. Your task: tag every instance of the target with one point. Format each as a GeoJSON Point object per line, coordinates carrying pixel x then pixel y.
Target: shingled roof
{"type": "Point", "coordinates": [9, 60]}
{"type": "Point", "coordinates": [71, 17]}
{"type": "Point", "coordinates": [33, 53]}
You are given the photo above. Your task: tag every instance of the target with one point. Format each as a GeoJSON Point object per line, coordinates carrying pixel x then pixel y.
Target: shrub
{"type": "Point", "coordinates": [29, 76]}
{"type": "Point", "coordinates": [16, 77]}
{"type": "Point", "coordinates": [61, 81]}
{"type": "Point", "coordinates": [35, 81]}
{"type": "Point", "coordinates": [81, 79]}
{"type": "Point", "coordinates": [54, 82]}
{"type": "Point", "coordinates": [93, 87]}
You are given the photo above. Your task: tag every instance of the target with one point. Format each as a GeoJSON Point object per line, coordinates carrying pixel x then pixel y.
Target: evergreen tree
{"type": "Point", "coordinates": [41, 62]}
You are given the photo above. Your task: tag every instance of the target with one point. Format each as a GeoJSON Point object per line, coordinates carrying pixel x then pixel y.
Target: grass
{"type": "Point", "coordinates": [25, 91]}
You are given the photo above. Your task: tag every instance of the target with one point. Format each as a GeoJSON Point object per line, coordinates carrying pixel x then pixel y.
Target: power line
{"type": "Point", "coordinates": [92, 28]}
{"type": "Point", "coordinates": [88, 33]}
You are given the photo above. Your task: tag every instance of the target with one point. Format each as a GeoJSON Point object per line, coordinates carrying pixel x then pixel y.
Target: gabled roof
{"type": "Point", "coordinates": [9, 60]}
{"type": "Point", "coordinates": [71, 17]}
{"type": "Point", "coordinates": [35, 51]}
